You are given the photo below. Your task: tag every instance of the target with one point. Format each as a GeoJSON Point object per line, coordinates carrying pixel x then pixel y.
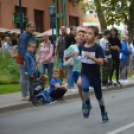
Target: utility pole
{"type": "Point", "coordinates": [21, 18]}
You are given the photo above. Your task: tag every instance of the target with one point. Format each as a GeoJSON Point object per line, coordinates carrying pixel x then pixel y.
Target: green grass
{"type": "Point", "coordinates": [12, 88]}
{"type": "Point", "coordinates": [9, 88]}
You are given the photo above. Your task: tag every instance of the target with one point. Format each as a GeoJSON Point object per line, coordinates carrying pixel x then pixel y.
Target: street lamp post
{"type": "Point", "coordinates": [112, 20]}
{"type": "Point", "coordinates": [52, 12]}
{"type": "Point", "coordinates": [21, 17]}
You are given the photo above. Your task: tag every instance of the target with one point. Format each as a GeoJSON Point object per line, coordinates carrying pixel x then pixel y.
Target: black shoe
{"type": "Point", "coordinates": [43, 102]}
{"type": "Point", "coordinates": [30, 99]}
{"type": "Point", "coordinates": [61, 100]}
{"type": "Point", "coordinates": [104, 84]}
{"type": "Point", "coordinates": [34, 101]}
{"type": "Point", "coordinates": [110, 83]}
{"type": "Point", "coordinates": [104, 117]}
{"type": "Point", "coordinates": [119, 82]}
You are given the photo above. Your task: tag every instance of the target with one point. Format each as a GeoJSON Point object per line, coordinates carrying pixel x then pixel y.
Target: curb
{"type": "Point", "coordinates": [24, 105]}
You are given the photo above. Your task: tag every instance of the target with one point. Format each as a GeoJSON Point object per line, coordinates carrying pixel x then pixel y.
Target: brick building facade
{"type": "Point", "coordinates": [37, 11]}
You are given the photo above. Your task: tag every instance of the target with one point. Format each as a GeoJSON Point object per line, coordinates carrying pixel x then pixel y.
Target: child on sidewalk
{"type": "Point", "coordinates": [92, 58]}
{"type": "Point", "coordinates": [57, 89]}
{"type": "Point", "coordinates": [31, 69]}
{"type": "Point", "coordinates": [39, 89]}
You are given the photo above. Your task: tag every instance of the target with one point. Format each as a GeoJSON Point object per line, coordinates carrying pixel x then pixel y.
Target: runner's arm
{"type": "Point", "coordinates": [98, 61]}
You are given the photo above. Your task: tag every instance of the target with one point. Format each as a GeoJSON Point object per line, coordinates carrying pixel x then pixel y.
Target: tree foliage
{"type": "Point", "coordinates": [120, 10]}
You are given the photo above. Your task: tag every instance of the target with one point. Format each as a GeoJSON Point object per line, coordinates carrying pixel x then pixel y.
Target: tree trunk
{"type": "Point", "coordinates": [131, 30]}
{"type": "Point", "coordinates": [100, 15]}
{"type": "Point", "coordinates": [131, 23]}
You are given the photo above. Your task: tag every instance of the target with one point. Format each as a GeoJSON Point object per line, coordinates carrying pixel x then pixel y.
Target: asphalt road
{"type": "Point", "coordinates": [66, 118]}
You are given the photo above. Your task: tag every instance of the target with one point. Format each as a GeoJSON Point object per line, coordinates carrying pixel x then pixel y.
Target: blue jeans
{"type": "Point", "coordinates": [95, 82]}
{"type": "Point", "coordinates": [70, 77]}
{"type": "Point", "coordinates": [49, 68]}
{"type": "Point", "coordinates": [44, 95]}
{"type": "Point", "coordinates": [133, 66]}
{"type": "Point", "coordinates": [60, 62]}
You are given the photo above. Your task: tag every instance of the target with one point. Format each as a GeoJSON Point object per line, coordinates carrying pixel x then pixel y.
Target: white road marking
{"type": "Point", "coordinates": [122, 128]}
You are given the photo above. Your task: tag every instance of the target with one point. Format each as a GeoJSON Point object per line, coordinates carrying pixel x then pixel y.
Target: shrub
{"type": "Point", "coordinates": [9, 71]}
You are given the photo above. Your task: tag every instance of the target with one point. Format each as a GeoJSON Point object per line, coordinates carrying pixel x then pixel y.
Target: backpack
{"type": "Point", "coordinates": [38, 86]}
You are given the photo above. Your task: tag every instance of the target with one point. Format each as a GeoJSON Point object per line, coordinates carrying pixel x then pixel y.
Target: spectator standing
{"type": "Point", "coordinates": [71, 41]}
{"type": "Point", "coordinates": [132, 48]}
{"type": "Point", "coordinates": [31, 69]}
{"type": "Point", "coordinates": [6, 45]}
{"type": "Point", "coordinates": [124, 59]}
{"type": "Point", "coordinates": [115, 47]}
{"type": "Point", "coordinates": [45, 57]}
{"type": "Point", "coordinates": [24, 39]}
{"type": "Point", "coordinates": [60, 48]}
{"type": "Point", "coordinates": [108, 62]}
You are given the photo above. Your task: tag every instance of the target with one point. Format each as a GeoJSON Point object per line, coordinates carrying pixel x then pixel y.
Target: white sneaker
{"type": "Point", "coordinates": [75, 89]}
{"type": "Point", "coordinates": [124, 81]}
{"type": "Point", "coordinates": [26, 98]}
{"type": "Point", "coordinates": [71, 90]}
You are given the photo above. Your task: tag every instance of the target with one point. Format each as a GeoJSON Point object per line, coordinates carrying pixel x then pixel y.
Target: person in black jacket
{"type": "Point", "coordinates": [115, 46]}
{"type": "Point", "coordinates": [71, 38]}
{"type": "Point", "coordinates": [71, 41]}
{"type": "Point", "coordinates": [15, 39]}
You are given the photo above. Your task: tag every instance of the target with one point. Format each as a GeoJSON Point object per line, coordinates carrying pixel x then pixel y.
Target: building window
{"type": "Point", "coordinates": [73, 21]}
{"type": "Point", "coordinates": [24, 10]}
{"type": "Point", "coordinates": [38, 19]}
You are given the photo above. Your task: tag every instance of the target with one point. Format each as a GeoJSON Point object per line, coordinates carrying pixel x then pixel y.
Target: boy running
{"type": "Point", "coordinates": [72, 51]}
{"type": "Point", "coordinates": [92, 58]}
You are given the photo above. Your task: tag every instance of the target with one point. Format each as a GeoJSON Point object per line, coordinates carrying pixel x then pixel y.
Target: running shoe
{"type": "Point", "coordinates": [86, 111]}
{"type": "Point", "coordinates": [116, 83]}
{"type": "Point", "coordinates": [104, 117]}
{"type": "Point", "coordinates": [83, 105]}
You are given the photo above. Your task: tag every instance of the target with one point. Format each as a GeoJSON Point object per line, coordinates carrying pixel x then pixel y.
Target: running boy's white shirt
{"type": "Point", "coordinates": [85, 59]}
{"type": "Point", "coordinates": [105, 45]}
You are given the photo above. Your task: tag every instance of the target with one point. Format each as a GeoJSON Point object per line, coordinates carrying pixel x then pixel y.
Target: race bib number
{"type": "Point", "coordinates": [85, 59]}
